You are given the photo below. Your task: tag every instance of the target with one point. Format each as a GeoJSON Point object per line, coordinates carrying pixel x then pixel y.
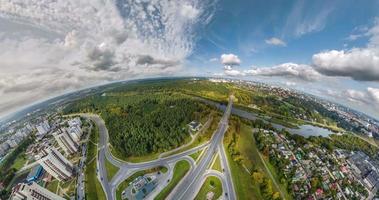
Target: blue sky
{"type": "Point", "coordinates": [305, 27]}
{"type": "Point", "coordinates": [327, 48]}
{"type": "Point", "coordinates": [241, 27]}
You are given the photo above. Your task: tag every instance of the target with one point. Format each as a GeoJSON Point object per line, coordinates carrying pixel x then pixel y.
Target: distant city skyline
{"type": "Point", "coordinates": [325, 48]}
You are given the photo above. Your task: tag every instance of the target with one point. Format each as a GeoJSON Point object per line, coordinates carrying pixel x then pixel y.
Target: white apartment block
{"type": "Point", "coordinates": [75, 132]}
{"type": "Point", "coordinates": [66, 142]}
{"type": "Point", "coordinates": [32, 191]}
{"type": "Point", "coordinates": [75, 122]}
{"type": "Point", "coordinates": [43, 128]}
{"type": "Point", "coordinates": [54, 163]}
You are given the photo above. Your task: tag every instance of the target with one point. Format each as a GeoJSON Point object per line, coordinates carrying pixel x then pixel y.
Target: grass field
{"type": "Point", "coordinates": [211, 184]}
{"type": "Point", "coordinates": [180, 170]}
{"type": "Point", "coordinates": [247, 147]}
{"type": "Point", "coordinates": [19, 162]}
{"type": "Point", "coordinates": [195, 155]}
{"type": "Point", "coordinates": [126, 182]}
{"type": "Point", "coordinates": [68, 187]}
{"type": "Point", "coordinates": [217, 164]}
{"type": "Point", "coordinates": [134, 159]}
{"type": "Point", "coordinates": [242, 181]}
{"type": "Point", "coordinates": [93, 187]}
{"type": "Point", "coordinates": [245, 188]}
{"type": "Point", "coordinates": [111, 169]}
{"type": "Point", "coordinates": [52, 186]}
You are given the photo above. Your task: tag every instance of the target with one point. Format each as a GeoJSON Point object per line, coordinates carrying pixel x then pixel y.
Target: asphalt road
{"type": "Point", "coordinates": [187, 187]}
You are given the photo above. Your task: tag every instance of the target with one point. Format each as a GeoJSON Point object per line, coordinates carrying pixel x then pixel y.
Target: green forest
{"type": "Point", "coordinates": [140, 123]}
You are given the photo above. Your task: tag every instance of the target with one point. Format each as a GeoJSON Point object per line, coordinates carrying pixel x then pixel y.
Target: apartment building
{"type": "Point", "coordinates": [54, 163]}
{"type": "Point", "coordinates": [32, 191]}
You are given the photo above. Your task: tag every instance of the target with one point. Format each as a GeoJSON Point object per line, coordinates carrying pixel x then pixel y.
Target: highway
{"type": "Point", "coordinates": [187, 187]}
{"type": "Point", "coordinates": [189, 184]}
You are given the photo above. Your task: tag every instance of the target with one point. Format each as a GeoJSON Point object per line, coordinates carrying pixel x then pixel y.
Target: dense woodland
{"type": "Point", "coordinates": [142, 123]}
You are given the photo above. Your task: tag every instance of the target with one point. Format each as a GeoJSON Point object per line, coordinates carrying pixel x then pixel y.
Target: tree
{"type": "Point", "coordinates": [258, 177]}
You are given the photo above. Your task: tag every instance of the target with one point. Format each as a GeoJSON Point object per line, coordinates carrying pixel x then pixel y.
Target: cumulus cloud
{"type": "Point", "coordinates": [367, 97]}
{"type": "Point", "coordinates": [358, 63]}
{"type": "Point", "coordinates": [290, 70]}
{"type": "Point", "coordinates": [149, 60]}
{"type": "Point", "coordinates": [90, 42]}
{"type": "Point", "coordinates": [230, 59]}
{"type": "Point", "coordinates": [275, 41]}
{"type": "Point", "coordinates": [233, 72]}
{"type": "Point", "coordinates": [189, 11]}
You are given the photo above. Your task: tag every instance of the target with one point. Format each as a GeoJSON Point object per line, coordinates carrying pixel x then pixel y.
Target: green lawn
{"type": "Point", "coordinates": [93, 187]}
{"type": "Point", "coordinates": [217, 164]}
{"type": "Point", "coordinates": [211, 184]}
{"type": "Point", "coordinates": [245, 188]}
{"type": "Point", "coordinates": [52, 186]}
{"type": "Point", "coordinates": [134, 159]}
{"type": "Point", "coordinates": [19, 162]}
{"type": "Point", "coordinates": [195, 155]}
{"type": "Point", "coordinates": [126, 182]}
{"type": "Point", "coordinates": [111, 169]}
{"type": "Point", "coordinates": [164, 170]}
{"type": "Point", "coordinates": [69, 187]}
{"type": "Point", "coordinates": [91, 147]}
{"type": "Point", "coordinates": [180, 170]}
{"type": "Point", "coordinates": [242, 182]}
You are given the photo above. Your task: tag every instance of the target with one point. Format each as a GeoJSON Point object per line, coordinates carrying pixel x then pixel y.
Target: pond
{"type": "Point", "coordinates": [310, 130]}
{"type": "Point", "coordinates": [303, 130]}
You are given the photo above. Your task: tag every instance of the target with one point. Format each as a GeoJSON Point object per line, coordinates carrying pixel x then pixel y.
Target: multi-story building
{"type": "Point", "coordinates": [75, 122]}
{"type": "Point", "coordinates": [66, 142]}
{"type": "Point", "coordinates": [43, 128]}
{"type": "Point", "coordinates": [32, 191]}
{"type": "Point", "coordinates": [74, 128]}
{"type": "Point", "coordinates": [75, 132]}
{"type": "Point", "coordinates": [12, 143]}
{"type": "Point", "coordinates": [54, 163]}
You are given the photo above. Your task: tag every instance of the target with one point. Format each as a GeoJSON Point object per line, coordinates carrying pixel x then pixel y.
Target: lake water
{"type": "Point", "coordinates": [310, 130]}
{"type": "Point", "coordinates": [303, 130]}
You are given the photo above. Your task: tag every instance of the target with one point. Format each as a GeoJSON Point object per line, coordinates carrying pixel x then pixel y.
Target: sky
{"type": "Point", "coordinates": [326, 48]}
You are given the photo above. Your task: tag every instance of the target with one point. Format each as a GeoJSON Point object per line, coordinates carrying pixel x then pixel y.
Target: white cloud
{"type": "Point", "coordinates": [290, 70]}
{"type": "Point", "coordinates": [374, 94]}
{"type": "Point", "coordinates": [213, 60]}
{"type": "Point", "coordinates": [230, 59]}
{"type": "Point", "coordinates": [189, 11]}
{"type": "Point", "coordinates": [228, 67]}
{"type": "Point", "coordinates": [308, 17]}
{"type": "Point", "coordinates": [233, 72]}
{"type": "Point", "coordinates": [275, 41]}
{"type": "Point", "coordinates": [367, 97]}
{"type": "Point", "coordinates": [357, 63]}
{"type": "Point", "coordinates": [94, 41]}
